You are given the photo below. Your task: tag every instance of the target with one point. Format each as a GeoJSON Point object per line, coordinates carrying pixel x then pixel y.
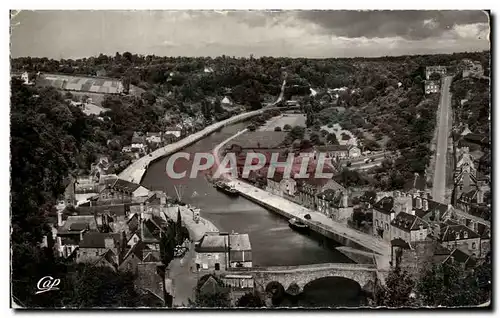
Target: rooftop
{"type": "Point", "coordinates": [408, 222]}
{"type": "Point", "coordinates": [97, 240]}
{"type": "Point", "coordinates": [219, 243]}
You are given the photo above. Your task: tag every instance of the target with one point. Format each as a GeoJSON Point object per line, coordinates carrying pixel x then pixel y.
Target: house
{"type": "Point", "coordinates": [172, 134]}
{"type": "Point", "coordinates": [472, 68]}
{"type": "Point", "coordinates": [338, 152]}
{"type": "Point", "coordinates": [385, 210]}
{"type": "Point", "coordinates": [308, 190]}
{"type": "Point", "coordinates": [100, 247]}
{"type": "Point", "coordinates": [132, 258]}
{"type": "Point", "coordinates": [281, 186]}
{"type": "Point", "coordinates": [335, 204]}
{"type": "Point", "coordinates": [151, 280]}
{"type": "Point", "coordinates": [453, 235]}
{"type": "Point", "coordinates": [101, 167]}
{"type": "Point", "coordinates": [120, 191]}
{"type": "Point", "coordinates": [421, 255]}
{"type": "Point", "coordinates": [138, 138]}
{"type": "Point", "coordinates": [154, 138]}
{"type": "Point", "coordinates": [429, 70]}
{"type": "Point", "coordinates": [409, 227]}
{"type": "Point", "coordinates": [469, 199]}
{"type": "Point", "coordinates": [219, 252]}
{"type": "Point", "coordinates": [431, 87]}
{"type": "Point", "coordinates": [226, 101]}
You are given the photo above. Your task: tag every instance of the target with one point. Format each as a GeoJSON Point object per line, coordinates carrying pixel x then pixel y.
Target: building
{"type": "Point", "coordinates": [121, 191]}
{"type": "Point", "coordinates": [385, 210]}
{"type": "Point", "coordinates": [100, 247]}
{"type": "Point", "coordinates": [226, 101]}
{"type": "Point", "coordinates": [429, 70]}
{"type": "Point", "coordinates": [308, 190]}
{"type": "Point", "coordinates": [281, 186]}
{"type": "Point", "coordinates": [409, 227]}
{"type": "Point", "coordinates": [172, 134]}
{"type": "Point", "coordinates": [154, 138]}
{"type": "Point", "coordinates": [453, 235]}
{"type": "Point", "coordinates": [431, 87]}
{"type": "Point", "coordinates": [217, 251]}
{"type": "Point", "coordinates": [338, 152]}
{"type": "Point", "coordinates": [335, 204]}
{"type": "Point", "coordinates": [472, 68]}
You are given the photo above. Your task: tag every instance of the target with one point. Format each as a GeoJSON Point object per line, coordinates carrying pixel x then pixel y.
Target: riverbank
{"type": "Point", "coordinates": [319, 222]}
{"type": "Point", "coordinates": [135, 172]}
{"type": "Point", "coordinates": [196, 230]}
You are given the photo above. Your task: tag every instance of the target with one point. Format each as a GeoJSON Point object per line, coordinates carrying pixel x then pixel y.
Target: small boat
{"type": "Point", "coordinates": [221, 186]}
{"type": "Point", "coordinates": [298, 225]}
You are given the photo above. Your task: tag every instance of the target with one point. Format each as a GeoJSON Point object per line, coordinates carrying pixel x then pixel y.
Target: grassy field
{"type": "Point", "coordinates": [81, 83]}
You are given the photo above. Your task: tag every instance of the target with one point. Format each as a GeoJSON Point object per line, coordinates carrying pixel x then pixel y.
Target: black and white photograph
{"type": "Point", "coordinates": [250, 159]}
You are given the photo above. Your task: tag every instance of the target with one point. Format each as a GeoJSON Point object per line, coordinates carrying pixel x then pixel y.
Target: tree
{"type": "Point", "coordinates": [452, 284]}
{"type": "Point", "coordinates": [332, 139]}
{"type": "Point", "coordinates": [252, 300]}
{"type": "Point", "coordinates": [297, 132]}
{"type": "Point", "coordinates": [168, 243]}
{"type": "Point", "coordinates": [178, 226]}
{"type": "Point", "coordinates": [287, 127]}
{"type": "Point", "coordinates": [216, 296]}
{"type": "Point", "coordinates": [435, 77]}
{"type": "Point", "coordinates": [397, 290]}
{"type": "Point", "coordinates": [278, 128]}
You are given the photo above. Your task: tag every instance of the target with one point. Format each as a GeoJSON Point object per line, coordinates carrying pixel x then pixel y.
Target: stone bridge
{"type": "Point", "coordinates": [364, 274]}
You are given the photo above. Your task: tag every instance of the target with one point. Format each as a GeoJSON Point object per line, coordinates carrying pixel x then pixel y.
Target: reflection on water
{"type": "Point", "coordinates": [327, 292]}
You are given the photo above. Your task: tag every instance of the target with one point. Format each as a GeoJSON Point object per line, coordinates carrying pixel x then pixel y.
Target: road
{"type": "Point", "coordinates": [439, 183]}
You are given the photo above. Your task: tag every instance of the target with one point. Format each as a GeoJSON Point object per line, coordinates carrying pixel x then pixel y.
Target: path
{"type": "Point", "coordinates": [439, 184]}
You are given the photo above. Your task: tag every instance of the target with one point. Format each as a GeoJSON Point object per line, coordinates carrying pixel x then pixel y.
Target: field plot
{"type": "Point", "coordinates": [81, 84]}
{"type": "Point", "coordinates": [284, 119]}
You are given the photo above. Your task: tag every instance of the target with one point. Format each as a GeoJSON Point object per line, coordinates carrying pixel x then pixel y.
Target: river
{"type": "Point", "coordinates": [273, 242]}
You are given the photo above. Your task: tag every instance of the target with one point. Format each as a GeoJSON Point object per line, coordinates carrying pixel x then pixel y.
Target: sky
{"type": "Point", "coordinates": [314, 34]}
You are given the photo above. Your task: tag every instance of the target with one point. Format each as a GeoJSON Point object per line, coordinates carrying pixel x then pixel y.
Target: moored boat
{"type": "Point", "coordinates": [298, 225]}
{"type": "Point", "coordinates": [221, 186]}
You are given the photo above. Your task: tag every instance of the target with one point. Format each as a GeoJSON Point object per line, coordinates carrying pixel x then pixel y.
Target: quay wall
{"type": "Point", "coordinates": [136, 171]}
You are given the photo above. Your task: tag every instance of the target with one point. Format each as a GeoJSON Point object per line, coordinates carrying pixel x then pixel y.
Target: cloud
{"type": "Point", "coordinates": [412, 25]}
{"type": "Point", "coordinates": [73, 34]}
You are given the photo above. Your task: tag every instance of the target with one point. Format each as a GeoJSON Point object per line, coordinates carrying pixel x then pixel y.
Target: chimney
{"type": "Point", "coordinates": [109, 243]}
{"type": "Point", "coordinates": [408, 204]}
{"type": "Point", "coordinates": [345, 198]}
{"type": "Point", "coordinates": [480, 196]}
{"type": "Point", "coordinates": [425, 205]}
{"type": "Point", "coordinates": [418, 203]}
{"type": "Point", "coordinates": [142, 210]}
{"type": "Point", "coordinates": [59, 218]}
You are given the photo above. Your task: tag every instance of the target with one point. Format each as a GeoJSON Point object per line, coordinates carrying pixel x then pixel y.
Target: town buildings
{"type": "Point", "coordinates": [472, 68]}
{"type": "Point", "coordinates": [429, 70]}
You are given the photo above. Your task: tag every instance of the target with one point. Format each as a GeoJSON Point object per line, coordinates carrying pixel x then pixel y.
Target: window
{"type": "Point", "coordinates": [217, 266]}
{"type": "Point", "coordinates": [386, 226]}
{"type": "Point", "coordinates": [473, 245]}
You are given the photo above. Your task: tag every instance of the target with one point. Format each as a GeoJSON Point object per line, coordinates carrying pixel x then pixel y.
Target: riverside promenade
{"type": "Point", "coordinates": [136, 170]}
{"type": "Point", "coordinates": [319, 222]}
